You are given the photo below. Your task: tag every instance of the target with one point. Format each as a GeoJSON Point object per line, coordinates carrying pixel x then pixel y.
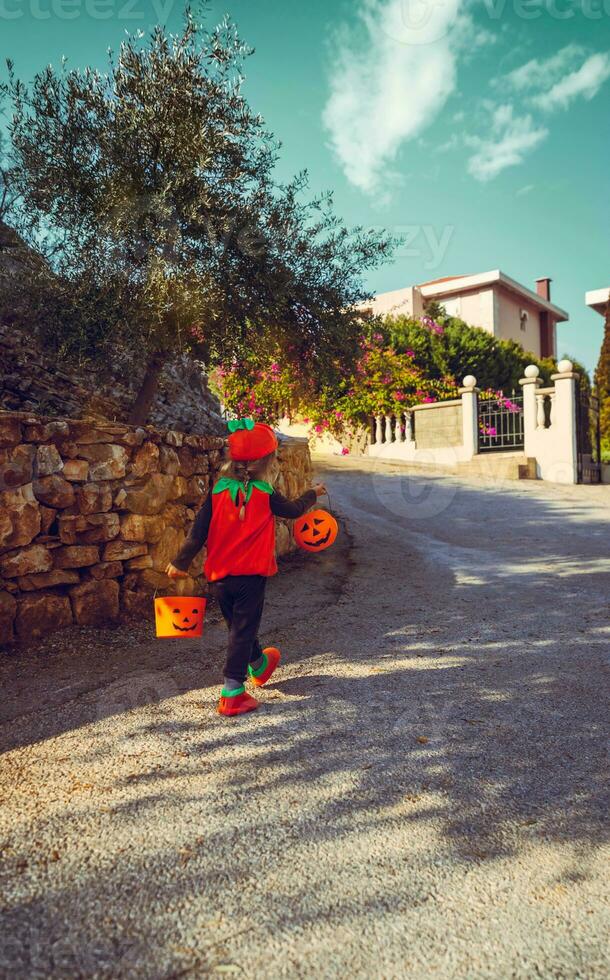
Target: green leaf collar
{"type": "Point", "coordinates": [234, 486]}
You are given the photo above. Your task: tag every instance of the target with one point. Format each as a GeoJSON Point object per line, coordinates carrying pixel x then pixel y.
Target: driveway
{"type": "Point", "coordinates": [423, 793]}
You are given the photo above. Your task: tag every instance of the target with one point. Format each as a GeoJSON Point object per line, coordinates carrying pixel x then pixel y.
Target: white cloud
{"type": "Point", "coordinates": [547, 85]}
{"type": "Point", "coordinates": [585, 82]}
{"type": "Point", "coordinates": [512, 137]}
{"type": "Point", "coordinates": [536, 74]}
{"type": "Point", "coordinates": [390, 79]}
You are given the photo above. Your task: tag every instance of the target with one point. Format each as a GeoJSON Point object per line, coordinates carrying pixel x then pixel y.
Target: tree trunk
{"type": "Point", "coordinates": [148, 389]}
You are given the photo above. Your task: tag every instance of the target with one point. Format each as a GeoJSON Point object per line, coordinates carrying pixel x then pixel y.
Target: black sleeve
{"type": "Point", "coordinates": [197, 537]}
{"type": "Point", "coordinates": [282, 507]}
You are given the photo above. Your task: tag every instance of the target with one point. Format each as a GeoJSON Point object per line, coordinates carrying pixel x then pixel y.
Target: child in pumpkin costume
{"type": "Point", "coordinates": [237, 522]}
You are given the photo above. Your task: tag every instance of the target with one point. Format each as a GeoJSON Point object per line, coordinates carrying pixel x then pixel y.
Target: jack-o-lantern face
{"type": "Point", "coordinates": [315, 531]}
{"type": "Point", "coordinates": [177, 616]}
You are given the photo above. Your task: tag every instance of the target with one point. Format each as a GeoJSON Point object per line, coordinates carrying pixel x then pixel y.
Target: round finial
{"type": "Point", "coordinates": [532, 371]}
{"type": "Point", "coordinates": [565, 366]}
{"type": "Point", "coordinates": [469, 381]}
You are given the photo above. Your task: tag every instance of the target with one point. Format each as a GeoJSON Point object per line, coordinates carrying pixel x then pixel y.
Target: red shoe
{"type": "Point", "coordinates": [236, 703]}
{"type": "Point", "coordinates": [272, 658]}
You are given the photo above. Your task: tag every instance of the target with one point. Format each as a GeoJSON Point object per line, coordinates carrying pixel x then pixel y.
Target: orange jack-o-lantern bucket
{"type": "Point", "coordinates": [316, 530]}
{"type": "Point", "coordinates": [179, 616]}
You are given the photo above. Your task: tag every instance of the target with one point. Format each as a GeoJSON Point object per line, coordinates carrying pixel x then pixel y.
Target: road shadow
{"type": "Point", "coordinates": [479, 701]}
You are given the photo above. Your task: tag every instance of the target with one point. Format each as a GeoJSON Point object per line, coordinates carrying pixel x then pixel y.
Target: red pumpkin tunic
{"type": "Point", "coordinates": [240, 547]}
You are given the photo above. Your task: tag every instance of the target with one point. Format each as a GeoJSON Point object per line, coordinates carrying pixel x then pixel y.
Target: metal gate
{"type": "Point", "coordinates": [501, 423]}
{"type": "Point", "coordinates": [588, 437]}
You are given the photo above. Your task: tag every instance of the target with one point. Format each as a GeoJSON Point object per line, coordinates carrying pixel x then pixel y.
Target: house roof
{"type": "Point", "coordinates": [598, 299]}
{"type": "Point", "coordinates": [450, 285]}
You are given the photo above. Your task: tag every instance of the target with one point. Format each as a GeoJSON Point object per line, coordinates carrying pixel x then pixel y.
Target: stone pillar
{"type": "Point", "coordinates": [388, 429]}
{"type": "Point", "coordinates": [530, 384]}
{"type": "Point", "coordinates": [470, 416]}
{"type": "Point", "coordinates": [564, 420]}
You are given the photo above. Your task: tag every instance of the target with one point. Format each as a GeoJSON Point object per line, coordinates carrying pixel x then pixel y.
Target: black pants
{"type": "Point", "coordinates": [241, 599]}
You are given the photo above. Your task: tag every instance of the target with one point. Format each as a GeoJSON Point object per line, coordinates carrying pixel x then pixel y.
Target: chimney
{"type": "Point", "coordinates": [543, 288]}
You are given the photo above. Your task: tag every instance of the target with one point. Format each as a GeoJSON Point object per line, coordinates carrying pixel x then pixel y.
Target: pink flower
{"type": "Point", "coordinates": [410, 353]}
{"type": "Point", "coordinates": [338, 414]}
{"type": "Point", "coordinates": [305, 421]}
{"type": "Point", "coordinates": [399, 396]}
{"type": "Point", "coordinates": [429, 399]}
{"type": "Point", "coordinates": [318, 428]}
{"type": "Point", "coordinates": [345, 451]}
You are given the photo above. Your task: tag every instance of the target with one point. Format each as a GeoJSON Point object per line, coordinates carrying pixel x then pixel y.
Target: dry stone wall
{"type": "Point", "coordinates": [91, 512]}
{"type": "Point", "coordinates": [32, 380]}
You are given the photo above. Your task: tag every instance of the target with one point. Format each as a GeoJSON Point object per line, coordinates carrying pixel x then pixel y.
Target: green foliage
{"type": "Point", "coordinates": [402, 362]}
{"type": "Point", "coordinates": [150, 191]}
{"type": "Point", "coordinates": [458, 349]}
{"type": "Point", "coordinates": [382, 381]}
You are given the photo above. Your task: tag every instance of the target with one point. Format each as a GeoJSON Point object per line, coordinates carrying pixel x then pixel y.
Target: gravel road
{"type": "Point", "coordinates": [424, 792]}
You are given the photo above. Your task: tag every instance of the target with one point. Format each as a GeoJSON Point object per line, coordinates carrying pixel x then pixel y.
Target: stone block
{"type": "Point", "coordinates": [196, 489]}
{"type": "Point", "coordinates": [54, 491]}
{"type": "Point", "coordinates": [106, 569]}
{"type": "Point", "coordinates": [139, 527]}
{"type": "Point", "coordinates": [46, 580]}
{"type": "Point", "coordinates": [141, 562]}
{"type": "Point", "coordinates": [10, 431]}
{"type": "Point", "coordinates": [40, 613]}
{"type": "Point", "coordinates": [47, 516]}
{"type": "Point", "coordinates": [76, 470]}
{"type": "Point", "coordinates": [26, 561]}
{"type": "Point", "coordinates": [123, 550]}
{"type": "Point", "coordinates": [173, 438]}
{"type": "Point", "coordinates": [137, 605]}
{"type": "Point", "coordinates": [76, 556]}
{"type": "Point", "coordinates": [89, 433]}
{"type": "Point", "coordinates": [101, 527]}
{"type": "Point", "coordinates": [46, 431]}
{"type": "Point", "coordinates": [19, 517]}
{"type": "Point", "coordinates": [150, 579]}
{"type": "Point", "coordinates": [152, 496]}
{"type": "Point", "coordinates": [180, 488]}
{"type": "Point", "coordinates": [132, 438]}
{"type": "Point", "coordinates": [47, 461]}
{"type": "Point", "coordinates": [169, 461]}
{"type": "Point", "coordinates": [145, 461]}
{"type": "Point", "coordinates": [95, 603]}
{"type": "Point", "coordinates": [8, 609]}
{"type": "Point", "coordinates": [93, 498]}
{"type": "Point", "coordinates": [186, 459]}
{"type": "Point", "coordinates": [68, 449]}
{"type": "Point", "coordinates": [70, 527]}
{"type": "Point", "coordinates": [16, 466]}
{"type": "Point", "coordinates": [201, 463]}
{"type": "Point", "coordinates": [106, 461]}
{"type": "Point", "coordinates": [176, 515]}
{"type": "Point", "coordinates": [166, 548]}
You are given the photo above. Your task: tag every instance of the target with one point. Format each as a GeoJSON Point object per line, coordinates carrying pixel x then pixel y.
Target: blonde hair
{"type": "Point", "coordinates": [267, 469]}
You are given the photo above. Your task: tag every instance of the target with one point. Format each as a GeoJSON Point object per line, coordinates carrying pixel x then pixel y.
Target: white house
{"type": "Point", "coordinates": [491, 300]}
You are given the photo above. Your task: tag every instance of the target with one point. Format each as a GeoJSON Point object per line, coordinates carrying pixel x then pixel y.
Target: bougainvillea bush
{"type": "Point", "coordinates": [401, 362]}
{"type": "Point", "coordinates": [383, 381]}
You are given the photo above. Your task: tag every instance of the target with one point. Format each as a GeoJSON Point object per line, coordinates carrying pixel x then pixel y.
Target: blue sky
{"type": "Point", "coordinates": [480, 130]}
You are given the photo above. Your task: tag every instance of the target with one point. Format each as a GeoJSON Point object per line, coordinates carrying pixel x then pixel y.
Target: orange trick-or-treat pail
{"type": "Point", "coordinates": [179, 616]}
